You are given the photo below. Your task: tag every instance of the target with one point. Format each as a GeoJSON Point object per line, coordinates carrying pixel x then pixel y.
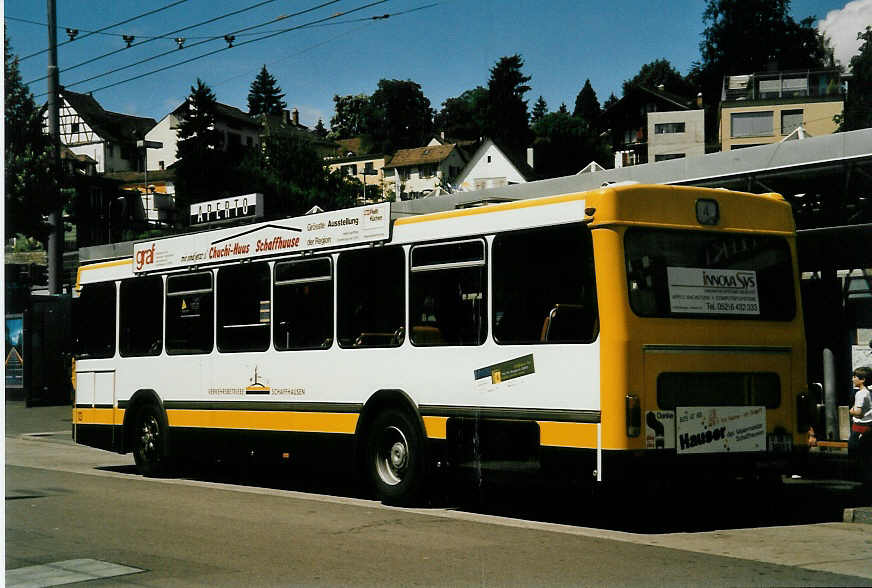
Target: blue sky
{"type": "Point", "coordinates": [447, 48]}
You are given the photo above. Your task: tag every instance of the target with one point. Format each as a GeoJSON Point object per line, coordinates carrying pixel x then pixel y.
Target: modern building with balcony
{"type": "Point", "coordinates": [762, 108]}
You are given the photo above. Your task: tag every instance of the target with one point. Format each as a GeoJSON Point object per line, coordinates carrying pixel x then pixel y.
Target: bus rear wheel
{"type": "Point", "coordinates": [150, 442]}
{"type": "Point", "coordinates": [395, 462]}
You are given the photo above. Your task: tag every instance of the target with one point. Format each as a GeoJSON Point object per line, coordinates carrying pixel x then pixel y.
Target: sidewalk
{"type": "Point", "coordinates": [21, 420]}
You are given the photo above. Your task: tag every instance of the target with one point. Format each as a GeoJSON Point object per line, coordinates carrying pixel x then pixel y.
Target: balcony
{"type": "Point", "coordinates": [803, 86]}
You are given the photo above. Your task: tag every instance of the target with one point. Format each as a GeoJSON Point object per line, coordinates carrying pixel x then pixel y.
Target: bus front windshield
{"type": "Point", "coordinates": [698, 274]}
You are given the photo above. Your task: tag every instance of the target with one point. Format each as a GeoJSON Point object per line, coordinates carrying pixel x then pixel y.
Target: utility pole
{"type": "Point", "coordinates": [55, 217]}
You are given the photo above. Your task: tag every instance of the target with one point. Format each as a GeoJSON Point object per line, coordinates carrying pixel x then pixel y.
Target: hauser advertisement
{"type": "Point", "coordinates": [721, 429]}
{"type": "Point", "coordinates": [364, 224]}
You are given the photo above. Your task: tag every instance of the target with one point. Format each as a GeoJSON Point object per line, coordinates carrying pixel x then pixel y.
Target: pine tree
{"type": "Point", "coordinates": [31, 185]}
{"type": "Point", "coordinates": [507, 117]}
{"type": "Point", "coordinates": [540, 109]}
{"type": "Point", "coordinates": [587, 106]}
{"type": "Point", "coordinates": [202, 167]}
{"type": "Point", "coordinates": [265, 96]}
{"type": "Point", "coordinates": [319, 129]}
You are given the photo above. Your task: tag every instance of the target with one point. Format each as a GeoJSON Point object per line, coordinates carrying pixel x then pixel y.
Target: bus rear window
{"type": "Point", "coordinates": [695, 274]}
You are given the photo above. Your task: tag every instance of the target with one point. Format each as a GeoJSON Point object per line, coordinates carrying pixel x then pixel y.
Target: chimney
{"type": "Point", "coordinates": [295, 115]}
{"type": "Point", "coordinates": [286, 117]}
{"type": "Point", "coordinates": [699, 100]}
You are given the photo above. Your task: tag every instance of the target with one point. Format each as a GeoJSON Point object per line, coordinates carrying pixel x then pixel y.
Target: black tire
{"type": "Point", "coordinates": [149, 440]}
{"type": "Point", "coordinates": [395, 463]}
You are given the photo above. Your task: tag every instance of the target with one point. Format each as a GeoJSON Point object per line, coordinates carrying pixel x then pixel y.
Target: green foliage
{"type": "Point", "coordinates": [564, 144]}
{"type": "Point", "coordinates": [540, 109]}
{"type": "Point", "coordinates": [320, 130]}
{"type": "Point", "coordinates": [858, 102]}
{"type": "Point", "coordinates": [352, 116]}
{"type": "Point", "coordinates": [401, 116]}
{"type": "Point", "coordinates": [587, 106]}
{"type": "Point", "coordinates": [507, 117]}
{"type": "Point", "coordinates": [660, 72]}
{"type": "Point", "coordinates": [265, 96]}
{"type": "Point", "coordinates": [463, 118]}
{"type": "Point", "coordinates": [292, 177]}
{"type": "Point", "coordinates": [30, 173]}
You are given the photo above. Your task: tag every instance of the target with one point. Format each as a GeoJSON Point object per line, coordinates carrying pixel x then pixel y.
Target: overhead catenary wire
{"type": "Point", "coordinates": [209, 40]}
{"type": "Point", "coordinates": [117, 24]}
{"type": "Point", "coordinates": [337, 15]}
{"type": "Point", "coordinates": [162, 36]}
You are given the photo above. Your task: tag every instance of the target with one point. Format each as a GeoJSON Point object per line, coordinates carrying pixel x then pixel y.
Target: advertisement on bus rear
{"type": "Point", "coordinates": [352, 226]}
{"type": "Point", "coordinates": [720, 429]}
{"type": "Point", "coordinates": [712, 291]}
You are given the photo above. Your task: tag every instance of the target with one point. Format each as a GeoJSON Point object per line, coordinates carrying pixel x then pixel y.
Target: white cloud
{"type": "Point", "coordinates": [842, 26]}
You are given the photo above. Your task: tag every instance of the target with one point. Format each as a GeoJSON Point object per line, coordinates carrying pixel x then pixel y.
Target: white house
{"type": "Point", "coordinates": [236, 128]}
{"type": "Point", "coordinates": [413, 173]}
{"type": "Point", "coordinates": [489, 167]}
{"type": "Point", "coordinates": [107, 138]}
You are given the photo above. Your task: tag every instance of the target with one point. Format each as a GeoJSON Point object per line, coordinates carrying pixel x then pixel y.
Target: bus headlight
{"type": "Point", "coordinates": [634, 416]}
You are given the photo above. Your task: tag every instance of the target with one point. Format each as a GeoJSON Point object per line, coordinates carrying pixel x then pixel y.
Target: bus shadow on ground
{"type": "Point", "coordinates": [641, 508]}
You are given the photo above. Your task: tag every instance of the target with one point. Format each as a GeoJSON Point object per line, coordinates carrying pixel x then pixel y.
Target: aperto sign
{"type": "Point", "coordinates": [352, 226]}
{"type": "Point", "coordinates": [246, 206]}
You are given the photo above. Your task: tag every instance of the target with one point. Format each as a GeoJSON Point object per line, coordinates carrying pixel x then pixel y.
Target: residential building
{"type": "Point", "coordinates": [762, 108]}
{"type": "Point", "coordinates": [288, 124]}
{"type": "Point", "coordinates": [236, 128]}
{"type": "Point", "coordinates": [367, 169]}
{"type": "Point", "coordinates": [413, 173]}
{"type": "Point", "coordinates": [490, 167]}
{"type": "Point", "coordinates": [107, 138]}
{"type": "Point", "coordinates": [636, 138]}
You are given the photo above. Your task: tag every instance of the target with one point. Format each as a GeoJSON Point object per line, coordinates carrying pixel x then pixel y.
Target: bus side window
{"type": "Point", "coordinates": [303, 299]}
{"type": "Point", "coordinates": [141, 310]}
{"type": "Point", "coordinates": [95, 321]}
{"type": "Point", "coordinates": [189, 318]}
{"type": "Point", "coordinates": [543, 286]}
{"type": "Point", "coordinates": [243, 307]}
{"type": "Point", "coordinates": [447, 294]}
{"type": "Point", "coordinates": [371, 298]}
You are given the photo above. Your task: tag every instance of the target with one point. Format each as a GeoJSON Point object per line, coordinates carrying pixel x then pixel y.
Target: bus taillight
{"type": "Point", "coordinates": [634, 416]}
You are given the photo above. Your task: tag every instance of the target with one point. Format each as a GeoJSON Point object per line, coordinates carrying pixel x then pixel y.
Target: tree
{"type": "Point", "coordinates": [203, 171]}
{"type": "Point", "coordinates": [610, 101]}
{"type": "Point", "coordinates": [265, 96]}
{"type": "Point", "coordinates": [319, 129]}
{"type": "Point", "coordinates": [587, 106]}
{"type": "Point", "coordinates": [401, 116]}
{"type": "Point", "coordinates": [290, 174]}
{"type": "Point", "coordinates": [352, 116]}
{"type": "Point", "coordinates": [507, 117]}
{"type": "Point", "coordinates": [858, 102]}
{"type": "Point", "coordinates": [564, 144]}
{"type": "Point", "coordinates": [463, 117]}
{"type": "Point", "coordinates": [540, 109]}
{"type": "Point", "coordinates": [31, 185]}
{"type": "Point", "coordinates": [748, 36]}
{"type": "Point", "coordinates": [660, 72]}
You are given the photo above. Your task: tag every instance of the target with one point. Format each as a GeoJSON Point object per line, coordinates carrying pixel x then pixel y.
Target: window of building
{"type": "Point", "coordinates": [447, 303]}
{"type": "Point", "coordinates": [95, 321]}
{"type": "Point", "coordinates": [141, 317]}
{"type": "Point", "coordinates": [427, 171]}
{"type": "Point", "coordinates": [751, 124]}
{"type": "Point", "coordinates": [349, 170]}
{"type": "Point", "coordinates": [668, 128]}
{"type": "Point", "coordinates": [790, 121]}
{"type": "Point", "coordinates": [189, 316]}
{"type": "Point", "coordinates": [160, 165]}
{"type": "Point", "coordinates": [667, 156]}
{"type": "Point", "coordinates": [368, 168]}
{"type": "Point", "coordinates": [74, 127]}
{"type": "Point", "coordinates": [371, 295]}
{"type": "Point", "coordinates": [303, 298]}
{"type": "Point", "coordinates": [543, 286]}
{"type": "Point", "coordinates": [243, 307]}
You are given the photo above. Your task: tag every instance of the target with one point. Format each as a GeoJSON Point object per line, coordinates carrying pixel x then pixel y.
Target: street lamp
{"type": "Point", "coordinates": [145, 146]}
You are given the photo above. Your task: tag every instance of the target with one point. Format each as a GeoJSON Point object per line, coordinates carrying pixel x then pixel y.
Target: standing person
{"type": "Point", "coordinates": [860, 442]}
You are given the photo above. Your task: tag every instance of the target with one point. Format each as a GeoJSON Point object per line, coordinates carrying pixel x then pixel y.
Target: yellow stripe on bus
{"type": "Point", "coordinates": [488, 209]}
{"type": "Point", "coordinates": [436, 427]}
{"type": "Point", "coordinates": [304, 422]}
{"type": "Point", "coordinates": [99, 266]}
{"type": "Point", "coordinates": [556, 434]}
{"type": "Point", "coordinates": [98, 416]}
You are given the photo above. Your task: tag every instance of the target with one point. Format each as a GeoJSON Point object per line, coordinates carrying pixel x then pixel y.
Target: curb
{"type": "Point", "coordinates": [858, 515]}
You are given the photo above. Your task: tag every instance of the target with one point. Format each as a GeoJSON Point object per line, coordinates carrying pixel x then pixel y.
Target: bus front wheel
{"type": "Point", "coordinates": [395, 460]}
{"type": "Point", "coordinates": [150, 442]}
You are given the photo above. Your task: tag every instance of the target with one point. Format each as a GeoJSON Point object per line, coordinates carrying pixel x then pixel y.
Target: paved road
{"type": "Point", "coordinates": [222, 528]}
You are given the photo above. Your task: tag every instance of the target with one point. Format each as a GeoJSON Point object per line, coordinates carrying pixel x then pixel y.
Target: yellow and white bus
{"type": "Point", "coordinates": [627, 331]}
